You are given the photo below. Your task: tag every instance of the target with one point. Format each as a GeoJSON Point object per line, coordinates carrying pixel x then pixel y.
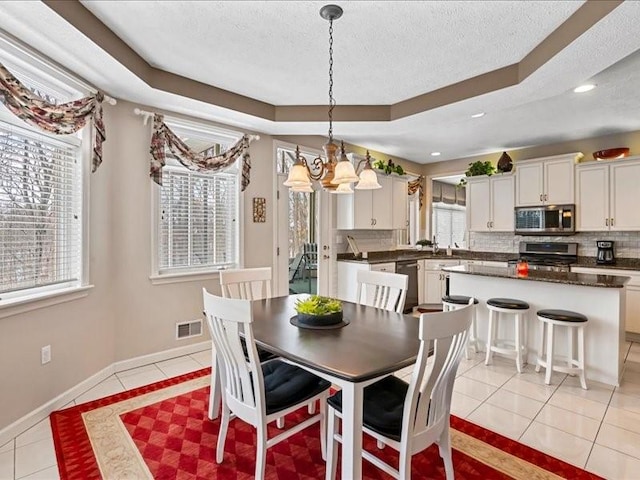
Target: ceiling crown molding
{"type": "Point", "coordinates": [577, 24]}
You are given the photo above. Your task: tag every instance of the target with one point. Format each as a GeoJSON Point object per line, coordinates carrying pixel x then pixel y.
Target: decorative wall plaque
{"type": "Point", "coordinates": [259, 210]}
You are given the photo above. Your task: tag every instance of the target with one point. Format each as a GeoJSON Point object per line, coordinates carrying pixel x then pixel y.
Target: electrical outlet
{"type": "Point", "coordinates": [45, 354]}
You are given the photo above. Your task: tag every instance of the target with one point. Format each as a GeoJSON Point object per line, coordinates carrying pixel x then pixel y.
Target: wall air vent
{"type": "Point", "coordinates": [189, 329]}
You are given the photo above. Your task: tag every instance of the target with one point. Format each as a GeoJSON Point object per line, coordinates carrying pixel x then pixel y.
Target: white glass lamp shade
{"type": "Point", "coordinates": [298, 176]}
{"type": "Point", "coordinates": [343, 188]}
{"type": "Point", "coordinates": [368, 180]}
{"type": "Point", "coordinates": [344, 173]}
{"type": "Point", "coordinates": [303, 189]}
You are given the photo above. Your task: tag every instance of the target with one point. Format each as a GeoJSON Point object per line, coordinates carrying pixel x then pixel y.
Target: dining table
{"type": "Point", "coordinates": [373, 344]}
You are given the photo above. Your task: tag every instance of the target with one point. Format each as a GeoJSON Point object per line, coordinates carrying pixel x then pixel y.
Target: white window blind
{"type": "Point", "coordinates": [449, 224]}
{"type": "Point", "coordinates": [198, 220]}
{"type": "Point", "coordinates": [40, 210]}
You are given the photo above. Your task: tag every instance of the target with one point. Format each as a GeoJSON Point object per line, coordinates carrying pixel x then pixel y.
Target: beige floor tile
{"type": "Point", "coordinates": [496, 375]}
{"type": "Point", "coordinates": [619, 439]}
{"type": "Point", "coordinates": [612, 465]}
{"type": "Point", "coordinates": [404, 372]}
{"type": "Point", "coordinates": [598, 392]}
{"type": "Point", "coordinates": [559, 444]}
{"type": "Point", "coordinates": [631, 375]}
{"type": "Point", "coordinates": [462, 405]}
{"type": "Point", "coordinates": [529, 374]}
{"type": "Point", "coordinates": [109, 386]}
{"type": "Point", "coordinates": [39, 431]}
{"type": "Point", "coordinates": [519, 404]}
{"type": "Point", "coordinates": [626, 402]}
{"type": "Point", "coordinates": [34, 457]}
{"type": "Point", "coordinates": [633, 356]}
{"type": "Point", "coordinates": [141, 376]}
{"type": "Point", "coordinates": [178, 366]}
{"type": "Point", "coordinates": [50, 473]}
{"type": "Point", "coordinates": [578, 405]}
{"type": "Point", "coordinates": [499, 420]}
{"type": "Point", "coordinates": [570, 422]}
{"type": "Point", "coordinates": [203, 358]}
{"type": "Point", "coordinates": [6, 464]}
{"type": "Point", "coordinates": [632, 367]}
{"type": "Point", "coordinates": [473, 388]}
{"type": "Point", "coordinates": [518, 385]}
{"type": "Point", "coordinates": [623, 419]}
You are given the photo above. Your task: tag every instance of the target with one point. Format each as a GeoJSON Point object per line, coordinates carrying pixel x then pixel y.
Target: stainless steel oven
{"type": "Point", "coordinates": [545, 220]}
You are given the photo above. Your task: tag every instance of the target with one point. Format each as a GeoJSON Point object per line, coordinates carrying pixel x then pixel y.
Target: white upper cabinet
{"type": "Point", "coordinates": [400, 203]}
{"type": "Point", "coordinates": [381, 209]}
{"type": "Point", "coordinates": [545, 181]}
{"type": "Point", "coordinates": [490, 203]}
{"type": "Point", "coordinates": [608, 196]}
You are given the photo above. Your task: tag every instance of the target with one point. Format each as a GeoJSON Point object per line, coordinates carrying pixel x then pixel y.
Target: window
{"type": "Point", "coordinates": [198, 212]}
{"type": "Point", "coordinates": [449, 224]}
{"type": "Point", "coordinates": [41, 191]}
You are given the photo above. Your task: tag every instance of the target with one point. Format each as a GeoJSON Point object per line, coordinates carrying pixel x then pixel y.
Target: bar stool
{"type": "Point", "coordinates": [509, 306]}
{"type": "Point", "coordinates": [454, 302]}
{"type": "Point", "coordinates": [572, 321]}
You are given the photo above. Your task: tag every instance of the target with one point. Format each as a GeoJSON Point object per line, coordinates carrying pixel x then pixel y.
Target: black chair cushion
{"type": "Point", "coordinates": [562, 316]}
{"type": "Point", "coordinates": [285, 385]}
{"type": "Point", "coordinates": [383, 406]}
{"type": "Point", "coordinates": [263, 355]}
{"type": "Point", "coordinates": [458, 299]}
{"type": "Point", "coordinates": [510, 303]}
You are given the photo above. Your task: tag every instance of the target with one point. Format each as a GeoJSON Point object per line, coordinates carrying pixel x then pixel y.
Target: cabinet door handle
{"type": "Point", "coordinates": [407, 223]}
{"type": "Point", "coordinates": [487, 224]}
{"type": "Point", "coordinates": [540, 197]}
{"type": "Point", "coordinates": [372, 222]}
{"type": "Point", "coordinates": [375, 221]}
{"type": "Point", "coordinates": [326, 257]}
{"type": "Point", "coordinates": [611, 222]}
{"type": "Point", "coordinates": [606, 222]}
{"type": "Point", "coordinates": [546, 197]}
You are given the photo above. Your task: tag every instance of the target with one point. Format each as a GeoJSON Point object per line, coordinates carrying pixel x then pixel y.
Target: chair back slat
{"type": "Point", "coordinates": [382, 290]}
{"type": "Point", "coordinates": [246, 283]}
{"type": "Point", "coordinates": [428, 401]}
{"type": "Point", "coordinates": [240, 378]}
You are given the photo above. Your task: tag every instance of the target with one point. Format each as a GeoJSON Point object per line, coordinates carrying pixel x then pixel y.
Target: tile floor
{"type": "Point", "coordinates": [597, 429]}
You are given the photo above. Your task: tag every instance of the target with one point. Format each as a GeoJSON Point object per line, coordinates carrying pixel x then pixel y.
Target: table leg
{"type": "Point", "coordinates": [352, 395]}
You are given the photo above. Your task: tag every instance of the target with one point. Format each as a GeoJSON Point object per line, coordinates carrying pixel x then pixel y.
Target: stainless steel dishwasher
{"type": "Point", "coordinates": [410, 269]}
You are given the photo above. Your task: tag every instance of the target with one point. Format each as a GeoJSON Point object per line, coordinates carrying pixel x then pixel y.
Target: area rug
{"type": "Point", "coordinates": [161, 431]}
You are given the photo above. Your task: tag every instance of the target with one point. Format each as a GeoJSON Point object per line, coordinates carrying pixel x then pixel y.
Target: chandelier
{"type": "Point", "coordinates": [335, 174]}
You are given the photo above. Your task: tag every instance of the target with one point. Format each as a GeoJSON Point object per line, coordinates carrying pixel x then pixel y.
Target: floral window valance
{"type": "Point", "coordinates": [62, 119]}
{"type": "Point", "coordinates": [417, 185]}
{"type": "Point", "coordinates": [163, 137]}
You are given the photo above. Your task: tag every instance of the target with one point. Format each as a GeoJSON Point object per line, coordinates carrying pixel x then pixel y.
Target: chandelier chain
{"type": "Point", "coordinates": [332, 102]}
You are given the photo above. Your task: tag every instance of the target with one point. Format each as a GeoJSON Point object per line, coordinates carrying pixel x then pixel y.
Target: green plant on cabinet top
{"type": "Point", "coordinates": [478, 168]}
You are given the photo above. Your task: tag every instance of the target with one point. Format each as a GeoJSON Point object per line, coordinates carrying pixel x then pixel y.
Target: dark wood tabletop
{"type": "Point", "coordinates": [374, 343]}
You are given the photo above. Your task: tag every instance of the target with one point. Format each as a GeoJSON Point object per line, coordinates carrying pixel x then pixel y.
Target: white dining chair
{"type": "Point", "coordinates": [244, 284]}
{"type": "Point", "coordinates": [382, 290]}
{"type": "Point", "coordinates": [258, 393]}
{"type": "Point", "coordinates": [409, 417]}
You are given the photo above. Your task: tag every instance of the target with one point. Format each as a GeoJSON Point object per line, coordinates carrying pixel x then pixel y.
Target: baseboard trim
{"type": "Point", "coordinates": [35, 416]}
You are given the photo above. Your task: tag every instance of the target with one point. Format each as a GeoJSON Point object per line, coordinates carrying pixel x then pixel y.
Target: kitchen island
{"type": "Point", "coordinates": [601, 298]}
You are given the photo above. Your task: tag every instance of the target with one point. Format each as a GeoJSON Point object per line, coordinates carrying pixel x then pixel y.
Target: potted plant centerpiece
{"type": "Point", "coordinates": [318, 312]}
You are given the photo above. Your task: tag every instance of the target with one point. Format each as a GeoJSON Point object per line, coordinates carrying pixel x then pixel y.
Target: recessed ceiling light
{"type": "Point", "coordinates": [584, 88]}
{"type": "Point", "coordinates": [435, 154]}
{"type": "Point", "coordinates": [477, 115]}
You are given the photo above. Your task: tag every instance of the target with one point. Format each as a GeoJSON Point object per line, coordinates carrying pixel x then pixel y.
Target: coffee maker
{"type": "Point", "coordinates": [605, 252]}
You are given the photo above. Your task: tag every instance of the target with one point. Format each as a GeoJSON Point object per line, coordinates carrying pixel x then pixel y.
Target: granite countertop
{"type": "Point", "coordinates": [621, 263]}
{"type": "Point", "coordinates": [566, 278]}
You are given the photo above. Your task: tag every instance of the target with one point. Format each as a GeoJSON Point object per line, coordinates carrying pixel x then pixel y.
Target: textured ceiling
{"type": "Point", "coordinates": [479, 36]}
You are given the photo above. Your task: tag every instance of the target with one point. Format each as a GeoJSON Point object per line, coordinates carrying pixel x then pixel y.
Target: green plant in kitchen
{"type": "Point", "coordinates": [478, 168]}
{"type": "Point", "coordinates": [389, 167]}
{"type": "Point", "coordinates": [318, 305]}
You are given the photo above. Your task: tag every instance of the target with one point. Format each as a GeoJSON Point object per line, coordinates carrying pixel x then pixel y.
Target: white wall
{"type": "Point", "coordinates": [125, 315]}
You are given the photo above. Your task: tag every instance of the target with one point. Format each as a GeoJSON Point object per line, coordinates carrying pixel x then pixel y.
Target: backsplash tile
{"type": "Point", "coordinates": [627, 244]}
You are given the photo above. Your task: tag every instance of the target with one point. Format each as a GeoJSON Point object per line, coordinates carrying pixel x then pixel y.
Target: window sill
{"type": "Point", "coordinates": [183, 277]}
{"type": "Point", "coordinates": [16, 306]}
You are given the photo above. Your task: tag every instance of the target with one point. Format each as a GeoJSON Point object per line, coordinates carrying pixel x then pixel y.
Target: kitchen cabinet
{"type": "Point", "coordinates": [490, 203]}
{"type": "Point", "coordinates": [607, 195]}
{"type": "Point", "coordinates": [545, 181]}
{"type": "Point", "coordinates": [432, 282]}
{"type": "Point", "coordinates": [632, 320]}
{"type": "Point", "coordinates": [400, 204]}
{"type": "Point", "coordinates": [348, 277]}
{"type": "Point", "coordinates": [368, 209]}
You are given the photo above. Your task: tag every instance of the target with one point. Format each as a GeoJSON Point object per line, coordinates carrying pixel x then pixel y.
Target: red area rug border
{"type": "Point", "coordinates": [72, 442]}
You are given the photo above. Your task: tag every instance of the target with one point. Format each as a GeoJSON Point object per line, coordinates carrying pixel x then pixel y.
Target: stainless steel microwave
{"type": "Point", "coordinates": [545, 220]}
